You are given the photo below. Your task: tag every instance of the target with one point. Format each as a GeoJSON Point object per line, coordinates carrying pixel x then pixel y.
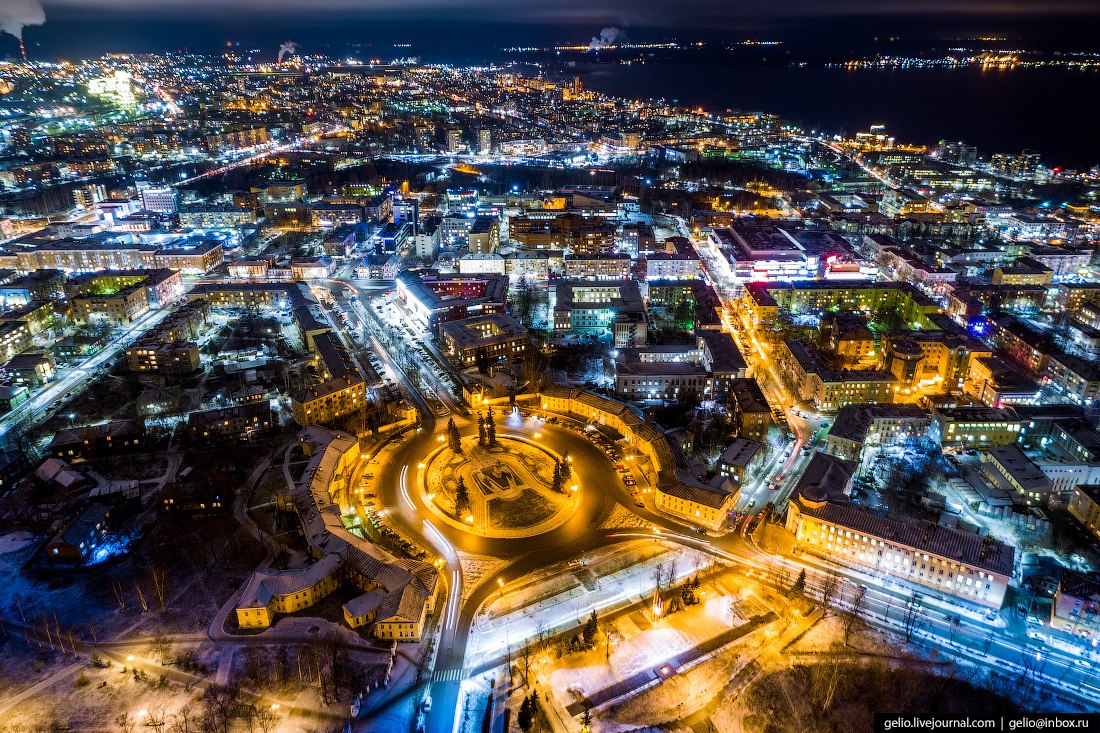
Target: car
{"type": "Point", "coordinates": [638, 503]}
{"type": "Point", "coordinates": [1083, 663]}
{"type": "Point", "coordinates": [701, 530]}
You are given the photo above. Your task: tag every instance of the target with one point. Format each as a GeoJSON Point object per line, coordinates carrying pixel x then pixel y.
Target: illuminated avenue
{"type": "Point", "coordinates": [349, 395]}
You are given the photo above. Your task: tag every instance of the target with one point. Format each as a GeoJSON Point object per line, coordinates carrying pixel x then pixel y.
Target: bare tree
{"type": "Point", "coordinates": [659, 576]}
{"type": "Point", "coordinates": [141, 597]}
{"type": "Point", "coordinates": [525, 652]}
{"type": "Point", "coordinates": [184, 720]}
{"type": "Point", "coordinates": [913, 610]}
{"type": "Point", "coordinates": [267, 720]}
{"type": "Point", "coordinates": [160, 648]}
{"type": "Point", "coordinates": [119, 596]}
{"type": "Point", "coordinates": [158, 577]}
{"type": "Point", "coordinates": [853, 618]}
{"type": "Point", "coordinates": [124, 722]}
{"type": "Point", "coordinates": [830, 585]}
{"type": "Point", "coordinates": [156, 719]}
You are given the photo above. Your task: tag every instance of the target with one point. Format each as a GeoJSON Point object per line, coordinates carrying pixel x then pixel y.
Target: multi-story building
{"type": "Point", "coordinates": [437, 298]}
{"type": "Point", "coordinates": [397, 595]}
{"type": "Point", "coordinates": [15, 336]}
{"type": "Point", "coordinates": [215, 216]}
{"type": "Point", "coordinates": [241, 423]}
{"type": "Point", "coordinates": [740, 459]}
{"type": "Point", "coordinates": [484, 341]}
{"type": "Point", "coordinates": [993, 382]}
{"type": "Point", "coordinates": [828, 388]}
{"type": "Point", "coordinates": [484, 235]}
{"type": "Point", "coordinates": [613, 266]}
{"type": "Point", "coordinates": [1007, 465]}
{"type": "Point", "coordinates": [949, 561]}
{"type": "Point", "coordinates": [764, 252]}
{"type": "Point", "coordinates": [930, 361]}
{"type": "Point", "coordinates": [675, 260]}
{"type": "Point", "coordinates": [1076, 378]}
{"type": "Point", "coordinates": [750, 408]}
{"type": "Point", "coordinates": [974, 427]}
{"type": "Point", "coordinates": [1076, 605]}
{"type": "Point", "coordinates": [161, 200]}
{"type": "Point", "coordinates": [658, 381]}
{"type": "Point", "coordinates": [598, 307]}
{"type": "Point", "coordinates": [341, 389]}
{"type": "Point", "coordinates": [1084, 505]}
{"type": "Point", "coordinates": [677, 492]}
{"type": "Point", "coordinates": [858, 427]}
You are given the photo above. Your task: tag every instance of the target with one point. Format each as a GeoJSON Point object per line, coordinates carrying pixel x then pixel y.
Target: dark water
{"type": "Point", "coordinates": [1050, 110]}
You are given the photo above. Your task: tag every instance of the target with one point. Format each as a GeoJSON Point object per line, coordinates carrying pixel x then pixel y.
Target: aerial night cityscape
{"type": "Point", "coordinates": [474, 366]}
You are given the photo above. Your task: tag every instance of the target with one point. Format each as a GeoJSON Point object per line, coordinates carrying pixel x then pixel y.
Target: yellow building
{"type": "Point", "coordinates": [952, 562]}
{"type": "Point", "coordinates": [1084, 505]}
{"type": "Point", "coordinates": [398, 595]}
{"type": "Point", "coordinates": [286, 591]}
{"type": "Point", "coordinates": [678, 494]}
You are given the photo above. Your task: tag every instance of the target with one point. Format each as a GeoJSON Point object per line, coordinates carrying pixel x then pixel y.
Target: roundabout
{"type": "Point", "coordinates": [514, 507]}
{"type": "Point", "coordinates": [514, 488]}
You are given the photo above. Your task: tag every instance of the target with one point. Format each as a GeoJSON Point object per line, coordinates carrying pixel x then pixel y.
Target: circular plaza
{"type": "Point", "coordinates": [511, 487]}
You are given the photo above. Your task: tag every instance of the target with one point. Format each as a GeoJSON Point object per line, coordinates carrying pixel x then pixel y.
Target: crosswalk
{"type": "Point", "coordinates": [447, 675]}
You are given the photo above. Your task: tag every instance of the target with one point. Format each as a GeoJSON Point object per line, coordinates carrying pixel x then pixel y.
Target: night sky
{"type": "Point", "coordinates": [91, 27]}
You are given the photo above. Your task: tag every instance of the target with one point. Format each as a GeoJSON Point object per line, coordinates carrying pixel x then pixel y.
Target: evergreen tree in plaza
{"type": "Point", "coordinates": [462, 498]}
{"type": "Point", "coordinates": [525, 718]}
{"type": "Point", "coordinates": [481, 428]}
{"type": "Point", "coordinates": [558, 482]}
{"type": "Point", "coordinates": [586, 721]}
{"type": "Point", "coordinates": [491, 430]}
{"type": "Point", "coordinates": [799, 586]}
{"type": "Point", "coordinates": [591, 629]}
{"type": "Point", "coordinates": [453, 438]}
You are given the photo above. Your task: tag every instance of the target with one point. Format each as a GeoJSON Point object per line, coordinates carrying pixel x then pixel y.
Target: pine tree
{"type": "Point", "coordinates": [453, 438]}
{"type": "Point", "coordinates": [525, 718]}
{"type": "Point", "coordinates": [591, 629]}
{"type": "Point", "coordinates": [799, 586]}
{"type": "Point", "coordinates": [462, 498]}
{"type": "Point", "coordinates": [586, 721]}
{"type": "Point", "coordinates": [480, 429]}
{"type": "Point", "coordinates": [490, 430]}
{"type": "Point", "coordinates": [558, 482]}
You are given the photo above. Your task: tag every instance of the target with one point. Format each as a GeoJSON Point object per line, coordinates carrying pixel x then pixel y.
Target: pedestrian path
{"type": "Point", "coordinates": [669, 667]}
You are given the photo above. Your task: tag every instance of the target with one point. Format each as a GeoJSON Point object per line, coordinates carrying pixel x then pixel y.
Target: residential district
{"type": "Point", "coordinates": [347, 395]}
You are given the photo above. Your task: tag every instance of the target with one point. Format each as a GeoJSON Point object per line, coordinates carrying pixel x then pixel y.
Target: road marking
{"type": "Point", "coordinates": [448, 675]}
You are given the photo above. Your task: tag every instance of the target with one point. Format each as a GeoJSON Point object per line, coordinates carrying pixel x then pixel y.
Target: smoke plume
{"type": "Point", "coordinates": [15, 15]}
{"type": "Point", "coordinates": [287, 48]}
{"type": "Point", "coordinates": [607, 37]}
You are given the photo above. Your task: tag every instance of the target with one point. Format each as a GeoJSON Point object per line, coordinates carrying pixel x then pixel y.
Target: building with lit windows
{"type": "Point", "coordinates": [950, 561]}
{"type": "Point", "coordinates": [953, 562]}
{"type": "Point", "coordinates": [974, 427]}
{"type": "Point", "coordinates": [341, 389]}
{"type": "Point", "coordinates": [435, 298]}
{"type": "Point", "coordinates": [487, 340]}
{"type": "Point", "coordinates": [830, 389]}
{"type": "Point", "coordinates": [585, 307]}
{"type": "Point", "coordinates": [397, 595]}
{"type": "Point", "coordinates": [1008, 466]}
{"type": "Point", "coordinates": [678, 493]}
{"type": "Point", "coordinates": [858, 427]}
{"type": "Point", "coordinates": [1084, 505]}
{"type": "Point", "coordinates": [1076, 605]}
